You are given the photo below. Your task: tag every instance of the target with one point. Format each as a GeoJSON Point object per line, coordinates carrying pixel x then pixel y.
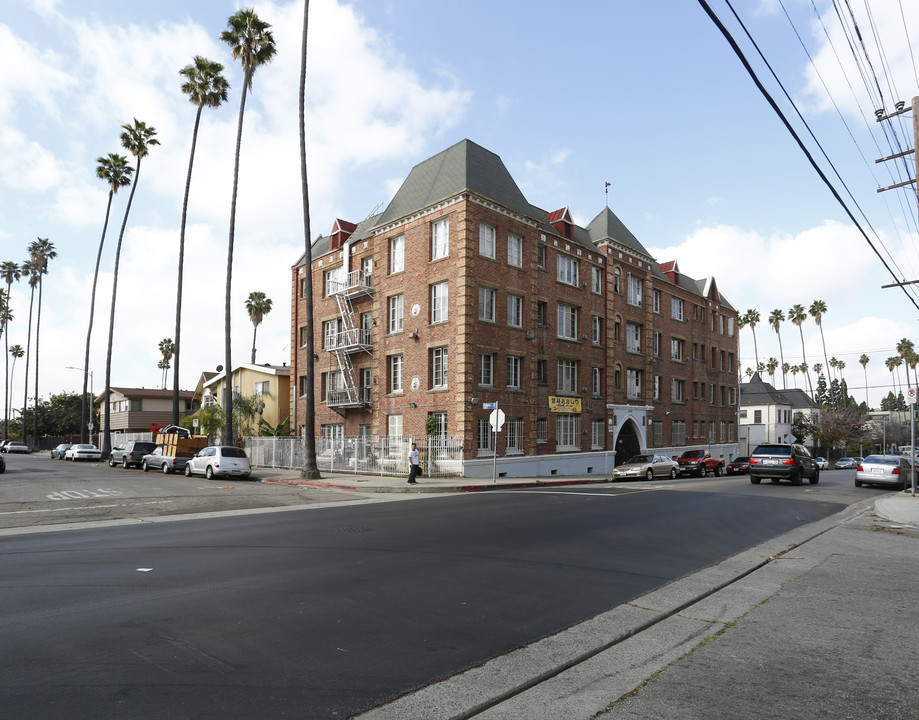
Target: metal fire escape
{"type": "Point", "coordinates": [351, 338]}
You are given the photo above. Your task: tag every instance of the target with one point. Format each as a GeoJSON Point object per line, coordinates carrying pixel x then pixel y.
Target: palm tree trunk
{"type": "Point", "coordinates": [782, 357]}
{"type": "Point", "coordinates": [228, 436]}
{"type": "Point", "coordinates": [7, 404]}
{"type": "Point", "coordinates": [107, 429]}
{"type": "Point", "coordinates": [37, 334]}
{"type": "Point", "coordinates": [178, 332]}
{"type": "Point", "coordinates": [310, 469]}
{"type": "Point", "coordinates": [804, 355]}
{"type": "Point", "coordinates": [25, 390]}
{"type": "Point", "coordinates": [254, 333]}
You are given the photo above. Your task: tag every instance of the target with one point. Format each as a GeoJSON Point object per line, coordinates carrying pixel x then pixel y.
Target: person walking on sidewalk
{"type": "Point", "coordinates": [413, 465]}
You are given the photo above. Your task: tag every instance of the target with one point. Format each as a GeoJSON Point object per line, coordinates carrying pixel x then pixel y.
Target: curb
{"type": "Point", "coordinates": [426, 488]}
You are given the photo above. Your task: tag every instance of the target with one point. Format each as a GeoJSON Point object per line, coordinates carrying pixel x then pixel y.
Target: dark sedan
{"type": "Point", "coordinates": [738, 466]}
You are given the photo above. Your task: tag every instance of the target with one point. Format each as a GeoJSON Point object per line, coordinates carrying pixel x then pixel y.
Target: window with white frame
{"type": "Point", "coordinates": [566, 431]}
{"type": "Point", "coordinates": [515, 250]}
{"type": "Point", "coordinates": [657, 387]}
{"type": "Point", "coordinates": [440, 424]}
{"type": "Point", "coordinates": [633, 337]}
{"type": "Point", "coordinates": [263, 388]}
{"type": "Point", "coordinates": [513, 435]}
{"type": "Point", "coordinates": [633, 380]}
{"type": "Point", "coordinates": [567, 270]}
{"type": "Point", "coordinates": [656, 301]}
{"type": "Point", "coordinates": [486, 369]}
{"type": "Point", "coordinates": [394, 427]}
{"type": "Point", "coordinates": [677, 348]}
{"type": "Point", "coordinates": [596, 435]}
{"type": "Point", "coordinates": [439, 297]}
{"type": "Point", "coordinates": [330, 333]}
{"type": "Point", "coordinates": [397, 254]}
{"type": "Point", "coordinates": [732, 396]}
{"type": "Point", "coordinates": [334, 279]}
{"type": "Point", "coordinates": [567, 321]}
{"type": "Point", "coordinates": [596, 280]}
{"type": "Point", "coordinates": [334, 383]}
{"type": "Point", "coordinates": [656, 343]}
{"type": "Point", "coordinates": [657, 432]}
{"type": "Point", "coordinates": [676, 308]}
{"type": "Point", "coordinates": [440, 239]}
{"type": "Point", "coordinates": [515, 310]}
{"type": "Point", "coordinates": [711, 432]}
{"type": "Point", "coordinates": [677, 390]}
{"type": "Point", "coordinates": [395, 373]}
{"type": "Point", "coordinates": [396, 310]}
{"type": "Point", "coordinates": [514, 363]}
{"type": "Point", "coordinates": [596, 330]}
{"type": "Point", "coordinates": [541, 256]}
{"type": "Point", "coordinates": [678, 432]}
{"type": "Point", "coordinates": [542, 430]}
{"type": "Point", "coordinates": [484, 436]}
{"type": "Point", "coordinates": [596, 381]}
{"type": "Point", "coordinates": [486, 240]}
{"type": "Point", "coordinates": [487, 304]}
{"type": "Point", "coordinates": [617, 281]}
{"type": "Point", "coordinates": [567, 375]}
{"type": "Point", "coordinates": [730, 327]}
{"type": "Point", "coordinates": [633, 290]}
{"type": "Point", "coordinates": [304, 334]}
{"type": "Point", "coordinates": [439, 363]}
{"type": "Point", "coordinates": [724, 431]}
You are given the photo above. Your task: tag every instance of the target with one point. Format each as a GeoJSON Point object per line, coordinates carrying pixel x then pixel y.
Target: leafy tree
{"type": "Point", "coordinates": [776, 318]}
{"type": "Point", "coordinates": [889, 402]}
{"type": "Point", "coordinates": [904, 348]}
{"type": "Point", "coordinates": [258, 305]}
{"type": "Point", "coordinates": [252, 43]}
{"type": "Point", "coordinates": [805, 425]}
{"type": "Point", "coordinates": [267, 429]}
{"type": "Point", "coordinates": [136, 139]}
{"type": "Point", "coordinates": [846, 426]}
{"type": "Point", "coordinates": [210, 420]}
{"type": "Point", "coordinates": [205, 87]}
{"type": "Point", "coordinates": [42, 252]}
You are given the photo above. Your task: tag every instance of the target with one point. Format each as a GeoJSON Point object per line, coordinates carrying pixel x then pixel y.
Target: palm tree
{"type": "Point", "coordinates": [17, 352]}
{"type": "Point", "coordinates": [252, 44]}
{"type": "Point", "coordinates": [776, 318]}
{"type": "Point", "coordinates": [817, 310]}
{"type": "Point", "coordinates": [751, 318]}
{"type": "Point", "coordinates": [864, 359]}
{"type": "Point", "coordinates": [818, 368]}
{"type": "Point", "coordinates": [786, 368]}
{"type": "Point", "coordinates": [310, 469]}
{"type": "Point", "coordinates": [843, 388]}
{"type": "Point", "coordinates": [771, 366]}
{"type": "Point", "coordinates": [205, 87]}
{"type": "Point", "coordinates": [167, 348]}
{"type": "Point", "coordinates": [905, 347]}
{"type": "Point", "coordinates": [10, 272]}
{"type": "Point", "coordinates": [258, 306]}
{"type": "Point", "coordinates": [137, 139]}
{"type": "Point", "coordinates": [834, 364]}
{"type": "Point", "coordinates": [28, 268]}
{"type": "Point", "coordinates": [797, 315]}
{"type": "Point", "coordinates": [42, 251]}
{"type": "Point", "coordinates": [116, 172]}
{"type": "Point", "coordinates": [794, 374]}
{"type": "Point", "coordinates": [893, 363]}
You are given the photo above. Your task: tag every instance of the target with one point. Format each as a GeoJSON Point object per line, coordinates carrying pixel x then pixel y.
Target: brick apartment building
{"type": "Point", "coordinates": [461, 294]}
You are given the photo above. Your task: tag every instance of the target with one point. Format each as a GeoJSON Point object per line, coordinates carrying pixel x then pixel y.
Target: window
{"type": "Point", "coordinates": [302, 384]}
{"type": "Point", "coordinates": [633, 290]}
{"type": "Point", "coordinates": [732, 396]}
{"type": "Point", "coordinates": [484, 436]}
{"type": "Point", "coordinates": [334, 279]}
{"type": "Point", "coordinates": [617, 377]}
{"type": "Point", "coordinates": [676, 308]}
{"type": "Point", "coordinates": [657, 387]}
{"type": "Point", "coordinates": [513, 435]}
{"type": "Point", "coordinates": [262, 388]}
{"type": "Point", "coordinates": [676, 349]}
{"type": "Point", "coordinates": [711, 432]}
{"type": "Point", "coordinates": [367, 270]}
{"type": "Point", "coordinates": [567, 270]}
{"type": "Point", "coordinates": [676, 390]}
{"type": "Point", "coordinates": [567, 375]}
{"type": "Point", "coordinates": [596, 330]}
{"type": "Point", "coordinates": [487, 304]}
{"type": "Point", "coordinates": [633, 337]}
{"type": "Point", "coordinates": [440, 239]}
{"type": "Point", "coordinates": [567, 431]}
{"type": "Point", "coordinates": [656, 301]}
{"type": "Point", "coordinates": [486, 369]}
{"type": "Point", "coordinates": [334, 385]}
{"type": "Point", "coordinates": [396, 305]}
{"type": "Point", "coordinates": [440, 424]}
{"type": "Point", "coordinates": [596, 280]}
{"type": "Point", "coordinates": [366, 384]}
{"type": "Point", "coordinates": [330, 333]}
{"type": "Point", "coordinates": [395, 373]}
{"type": "Point", "coordinates": [657, 433]}
{"type": "Point", "coordinates": [515, 250]}
{"type": "Point", "coordinates": [542, 430]}
{"type": "Point", "coordinates": [596, 434]}
{"type": "Point", "coordinates": [541, 313]}
{"type": "Point", "coordinates": [633, 388]}
{"type": "Point", "coordinates": [397, 254]}
{"type": "Point", "coordinates": [513, 371]}
{"type": "Point", "coordinates": [515, 310]}
{"type": "Point", "coordinates": [304, 334]}
{"type": "Point", "coordinates": [730, 327]}
{"type": "Point", "coordinates": [617, 329]}
{"type": "Point", "coordinates": [757, 416]}
{"type": "Point", "coordinates": [541, 256]}
{"type": "Point", "coordinates": [439, 295]}
{"type": "Point", "coordinates": [596, 381]}
{"type": "Point", "coordinates": [567, 321]}
{"type": "Point", "coordinates": [541, 374]}
{"type": "Point", "coordinates": [656, 343]}
{"type": "Point", "coordinates": [617, 281]}
{"type": "Point", "coordinates": [486, 240]}
{"type": "Point", "coordinates": [678, 432]}
{"type": "Point", "coordinates": [303, 282]}
{"type": "Point", "coordinates": [394, 427]}
{"type": "Point", "coordinates": [724, 431]}
{"type": "Point", "coordinates": [439, 362]}
{"type": "Point", "coordinates": [695, 429]}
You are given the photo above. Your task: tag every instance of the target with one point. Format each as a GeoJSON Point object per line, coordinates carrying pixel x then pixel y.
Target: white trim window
{"type": "Point", "coordinates": [440, 424]}
{"type": "Point", "coordinates": [567, 375]}
{"type": "Point", "coordinates": [487, 240]}
{"type": "Point", "coordinates": [515, 250]}
{"type": "Point", "coordinates": [487, 297]}
{"type": "Point", "coordinates": [596, 280]}
{"type": "Point", "coordinates": [567, 270]}
{"type": "Point", "coordinates": [656, 301]}
{"type": "Point", "coordinates": [656, 343]}
{"type": "Point", "coordinates": [397, 254]}
{"type": "Point", "coordinates": [394, 428]}
{"type": "Point", "coordinates": [515, 310]}
{"type": "Point", "coordinates": [596, 435]}
{"type": "Point", "coordinates": [514, 363]}
{"type": "Point", "coordinates": [676, 308]}
{"type": "Point", "coordinates": [567, 321]}
{"type": "Point", "coordinates": [439, 365]}
{"type": "Point", "coordinates": [633, 290]}
{"type": "Point", "coordinates": [330, 333]}
{"type": "Point", "coordinates": [596, 381]}
{"type": "Point", "coordinates": [486, 369]}
{"type": "Point", "coordinates": [677, 349]}
{"type": "Point", "coordinates": [633, 337]}
{"type": "Point", "coordinates": [566, 431]}
{"type": "Point", "coordinates": [439, 304]}
{"type": "Point", "coordinates": [596, 330]}
{"type": "Point", "coordinates": [396, 312]}
{"type": "Point", "coordinates": [334, 280]}
{"type": "Point", "coordinates": [440, 239]}
{"type": "Point", "coordinates": [395, 373]}
{"type": "Point", "coordinates": [513, 436]}
{"type": "Point", "coordinates": [677, 390]}
{"type": "Point", "coordinates": [263, 388]}
{"type": "Point", "coordinates": [633, 383]}
{"type": "Point", "coordinates": [484, 437]}
{"type": "Point", "coordinates": [657, 388]}
{"type": "Point", "coordinates": [542, 430]}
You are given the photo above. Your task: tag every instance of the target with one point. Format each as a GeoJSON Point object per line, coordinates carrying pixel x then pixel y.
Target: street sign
{"type": "Point", "coordinates": [489, 406]}
{"type": "Point", "coordinates": [911, 396]}
{"type": "Point", "coordinates": [194, 422]}
{"type": "Point", "coordinates": [496, 418]}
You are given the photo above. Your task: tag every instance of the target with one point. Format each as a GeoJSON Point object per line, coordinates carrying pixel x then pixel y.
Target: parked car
{"type": "Point", "coordinates": [82, 451]}
{"type": "Point", "coordinates": [783, 461]}
{"type": "Point", "coordinates": [2, 464]}
{"type": "Point", "coordinates": [883, 470]}
{"type": "Point", "coordinates": [16, 446]}
{"type": "Point", "coordinates": [130, 453]}
{"type": "Point", "coordinates": [647, 467]}
{"type": "Point", "coordinates": [58, 451]}
{"type": "Point", "coordinates": [222, 460]}
{"type": "Point", "coordinates": [700, 462]}
{"type": "Point", "coordinates": [846, 463]}
{"type": "Point", "coordinates": [164, 463]}
{"type": "Point", "coordinates": [738, 466]}
{"type": "Point", "coordinates": [822, 463]}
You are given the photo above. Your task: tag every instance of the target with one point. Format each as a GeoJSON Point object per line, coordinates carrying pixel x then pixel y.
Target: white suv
{"type": "Point", "coordinates": [219, 460]}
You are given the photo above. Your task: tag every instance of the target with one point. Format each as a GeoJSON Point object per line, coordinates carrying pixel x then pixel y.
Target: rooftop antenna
{"type": "Point", "coordinates": [606, 190]}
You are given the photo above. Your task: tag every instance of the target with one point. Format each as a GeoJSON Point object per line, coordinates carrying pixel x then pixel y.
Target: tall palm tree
{"type": "Point", "coordinates": [28, 268]}
{"type": "Point", "coordinates": [42, 252]}
{"type": "Point", "coordinates": [893, 363]}
{"type": "Point", "coordinates": [167, 349]}
{"type": "Point", "coordinates": [310, 469]}
{"type": "Point", "coordinates": [786, 368]}
{"type": "Point", "coordinates": [205, 87]}
{"type": "Point", "coordinates": [817, 310]}
{"type": "Point", "coordinates": [137, 139]}
{"type": "Point", "coordinates": [116, 173]}
{"type": "Point", "coordinates": [843, 388]}
{"type": "Point", "coordinates": [797, 315]}
{"type": "Point", "coordinates": [834, 364]}
{"type": "Point", "coordinates": [776, 318]}
{"type": "Point", "coordinates": [864, 360]}
{"type": "Point", "coordinates": [818, 368]}
{"type": "Point", "coordinates": [10, 272]}
{"type": "Point", "coordinates": [751, 318]}
{"type": "Point", "coordinates": [17, 352]}
{"type": "Point", "coordinates": [794, 374]}
{"type": "Point", "coordinates": [251, 43]}
{"type": "Point", "coordinates": [905, 347]}
{"type": "Point", "coordinates": [258, 305]}
{"type": "Point", "coordinates": [771, 366]}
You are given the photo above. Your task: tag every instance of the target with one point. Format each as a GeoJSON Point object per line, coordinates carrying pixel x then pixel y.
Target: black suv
{"type": "Point", "coordinates": [130, 453]}
{"type": "Point", "coordinates": [783, 461]}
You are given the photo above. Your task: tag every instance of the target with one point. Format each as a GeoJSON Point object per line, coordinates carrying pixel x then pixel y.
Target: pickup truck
{"type": "Point", "coordinates": [699, 462]}
{"type": "Point", "coordinates": [164, 463]}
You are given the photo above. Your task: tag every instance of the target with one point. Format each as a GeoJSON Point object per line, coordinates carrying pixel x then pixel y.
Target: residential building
{"type": "Point", "coordinates": [461, 294]}
{"type": "Point", "coordinates": [270, 383]}
{"type": "Point", "coordinates": [142, 409]}
{"type": "Point", "coordinates": [767, 414]}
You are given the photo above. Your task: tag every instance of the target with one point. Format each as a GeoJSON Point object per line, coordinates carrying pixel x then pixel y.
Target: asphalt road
{"type": "Point", "coordinates": [326, 613]}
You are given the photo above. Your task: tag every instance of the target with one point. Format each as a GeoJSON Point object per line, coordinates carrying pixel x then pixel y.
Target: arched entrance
{"type": "Point", "coordinates": [627, 442]}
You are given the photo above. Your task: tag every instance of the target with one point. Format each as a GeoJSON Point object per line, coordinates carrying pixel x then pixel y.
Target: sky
{"type": "Point", "coordinates": [648, 97]}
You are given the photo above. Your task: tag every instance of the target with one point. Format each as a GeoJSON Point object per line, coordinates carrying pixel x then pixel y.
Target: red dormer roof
{"type": "Point", "coordinates": [561, 221]}
{"type": "Point", "coordinates": [341, 231]}
{"type": "Point", "coordinates": [671, 270]}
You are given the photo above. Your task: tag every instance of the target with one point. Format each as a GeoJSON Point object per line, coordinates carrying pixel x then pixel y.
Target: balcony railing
{"type": "Point", "coordinates": [356, 282]}
{"type": "Point", "coordinates": [353, 340]}
{"type": "Point", "coordinates": [348, 397]}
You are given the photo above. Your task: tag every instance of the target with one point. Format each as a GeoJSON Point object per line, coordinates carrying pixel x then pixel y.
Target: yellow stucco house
{"type": "Point", "coordinates": [270, 383]}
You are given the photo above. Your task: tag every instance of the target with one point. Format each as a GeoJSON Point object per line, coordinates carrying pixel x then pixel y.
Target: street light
{"type": "Point", "coordinates": [92, 394]}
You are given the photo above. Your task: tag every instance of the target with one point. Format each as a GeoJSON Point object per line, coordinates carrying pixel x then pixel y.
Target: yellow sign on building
{"type": "Point", "coordinates": [564, 404]}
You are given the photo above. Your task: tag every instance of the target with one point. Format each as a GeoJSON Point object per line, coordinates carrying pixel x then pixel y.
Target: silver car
{"type": "Point", "coordinates": [883, 470]}
{"type": "Point", "coordinates": [646, 467]}
{"type": "Point", "coordinates": [219, 460]}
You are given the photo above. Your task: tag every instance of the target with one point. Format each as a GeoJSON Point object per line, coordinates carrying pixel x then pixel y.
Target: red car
{"type": "Point", "coordinates": [738, 466]}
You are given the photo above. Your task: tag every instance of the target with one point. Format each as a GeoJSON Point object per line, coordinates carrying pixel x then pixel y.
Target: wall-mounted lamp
{"type": "Point", "coordinates": [473, 401]}
{"type": "Point", "coordinates": [530, 335]}
{"type": "Point", "coordinates": [413, 405]}
{"type": "Point", "coordinates": [413, 335]}
{"type": "Point", "coordinates": [315, 356]}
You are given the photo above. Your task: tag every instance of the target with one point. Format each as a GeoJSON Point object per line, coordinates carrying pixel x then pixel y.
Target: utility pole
{"type": "Point", "coordinates": [882, 116]}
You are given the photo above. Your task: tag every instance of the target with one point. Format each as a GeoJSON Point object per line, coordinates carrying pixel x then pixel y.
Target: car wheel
{"type": "Point", "coordinates": [209, 473]}
{"type": "Point", "coordinates": [650, 474]}
{"type": "Point", "coordinates": [797, 479]}
{"type": "Point", "coordinates": [188, 471]}
{"type": "Point", "coordinates": [719, 470]}
{"type": "Point", "coordinates": [754, 480]}
{"type": "Point", "coordinates": [858, 483]}
{"type": "Point", "coordinates": [144, 466]}
{"type": "Point", "coordinates": [165, 469]}
{"type": "Point", "coordinates": [814, 480]}
{"type": "Point", "coordinates": [124, 462]}
{"type": "Point", "coordinates": [111, 461]}
{"type": "Point", "coordinates": [673, 473]}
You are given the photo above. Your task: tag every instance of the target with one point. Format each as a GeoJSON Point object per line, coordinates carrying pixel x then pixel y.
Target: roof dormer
{"type": "Point", "coordinates": [561, 221]}
{"type": "Point", "coordinates": [341, 231]}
